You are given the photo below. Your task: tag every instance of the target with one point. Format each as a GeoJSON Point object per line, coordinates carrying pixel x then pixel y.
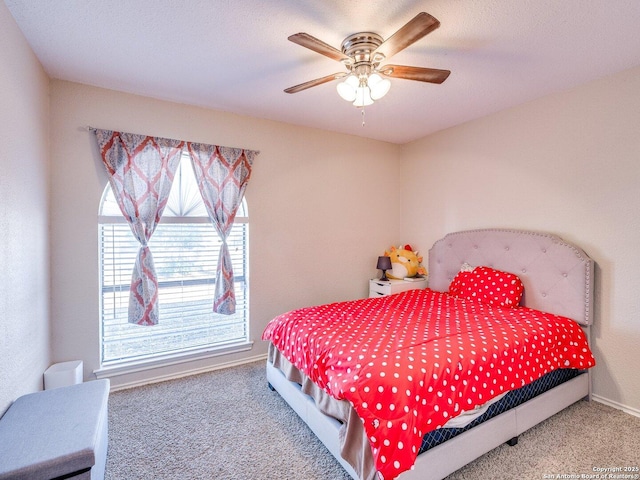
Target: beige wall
{"type": "Point", "coordinates": [568, 164]}
{"type": "Point", "coordinates": [314, 200]}
{"type": "Point", "coordinates": [24, 277]}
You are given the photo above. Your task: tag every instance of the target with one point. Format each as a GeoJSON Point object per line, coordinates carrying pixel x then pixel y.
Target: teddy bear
{"type": "Point", "coordinates": [405, 262]}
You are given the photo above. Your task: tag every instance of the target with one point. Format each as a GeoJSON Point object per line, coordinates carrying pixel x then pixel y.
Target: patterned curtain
{"type": "Point", "coordinates": [141, 171]}
{"type": "Point", "coordinates": [222, 174]}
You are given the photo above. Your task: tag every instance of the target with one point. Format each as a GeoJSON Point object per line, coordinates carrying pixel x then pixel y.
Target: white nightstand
{"type": "Point", "coordinates": [378, 288]}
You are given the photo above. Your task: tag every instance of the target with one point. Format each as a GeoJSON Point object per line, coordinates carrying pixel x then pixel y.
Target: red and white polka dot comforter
{"type": "Point", "coordinates": [410, 362]}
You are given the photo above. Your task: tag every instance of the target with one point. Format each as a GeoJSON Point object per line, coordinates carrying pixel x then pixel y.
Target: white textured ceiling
{"type": "Point", "coordinates": [233, 55]}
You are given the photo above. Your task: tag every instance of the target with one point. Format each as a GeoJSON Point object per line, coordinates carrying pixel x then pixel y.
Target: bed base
{"type": "Point", "coordinates": [558, 278]}
{"type": "Point", "coordinates": [455, 453]}
{"type": "Point", "coordinates": [325, 428]}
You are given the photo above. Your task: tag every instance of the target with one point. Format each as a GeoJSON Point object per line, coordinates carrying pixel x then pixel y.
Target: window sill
{"type": "Point", "coordinates": [168, 360]}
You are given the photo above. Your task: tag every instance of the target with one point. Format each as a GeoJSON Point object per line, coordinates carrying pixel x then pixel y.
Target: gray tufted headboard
{"type": "Point", "coordinates": [557, 276]}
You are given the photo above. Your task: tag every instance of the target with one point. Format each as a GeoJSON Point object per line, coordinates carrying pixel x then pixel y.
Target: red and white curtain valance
{"type": "Point", "coordinates": [141, 169]}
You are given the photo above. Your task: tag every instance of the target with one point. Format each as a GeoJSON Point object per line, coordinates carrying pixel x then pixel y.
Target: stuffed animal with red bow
{"type": "Point", "coordinates": [404, 262]}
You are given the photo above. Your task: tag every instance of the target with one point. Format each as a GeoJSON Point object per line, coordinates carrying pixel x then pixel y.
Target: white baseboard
{"type": "Point", "coordinates": [631, 411]}
{"type": "Point", "coordinates": [187, 372]}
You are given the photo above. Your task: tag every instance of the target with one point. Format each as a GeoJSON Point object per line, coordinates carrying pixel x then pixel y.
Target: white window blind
{"type": "Point", "coordinates": [185, 248]}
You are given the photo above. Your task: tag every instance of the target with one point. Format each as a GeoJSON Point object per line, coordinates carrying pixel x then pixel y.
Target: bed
{"type": "Point", "coordinates": [557, 278]}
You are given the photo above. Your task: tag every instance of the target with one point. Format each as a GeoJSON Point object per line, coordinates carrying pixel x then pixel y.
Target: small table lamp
{"type": "Point", "coordinates": [384, 264]}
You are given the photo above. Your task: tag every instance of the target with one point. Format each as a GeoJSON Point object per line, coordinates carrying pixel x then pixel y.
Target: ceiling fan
{"type": "Point", "coordinates": [363, 53]}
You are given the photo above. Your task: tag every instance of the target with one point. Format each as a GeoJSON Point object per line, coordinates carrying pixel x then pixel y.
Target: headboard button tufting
{"type": "Point", "coordinates": [541, 274]}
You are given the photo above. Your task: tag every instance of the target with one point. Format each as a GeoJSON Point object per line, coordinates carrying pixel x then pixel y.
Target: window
{"type": "Point", "coordinates": [185, 248]}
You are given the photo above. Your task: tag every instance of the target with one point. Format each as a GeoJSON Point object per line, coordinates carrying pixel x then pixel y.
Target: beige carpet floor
{"type": "Point", "coordinates": [228, 425]}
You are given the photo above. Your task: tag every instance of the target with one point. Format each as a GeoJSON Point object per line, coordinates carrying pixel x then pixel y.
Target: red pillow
{"type": "Point", "coordinates": [488, 285]}
{"type": "Point", "coordinates": [460, 284]}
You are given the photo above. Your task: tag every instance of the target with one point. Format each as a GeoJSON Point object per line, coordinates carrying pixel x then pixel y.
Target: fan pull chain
{"type": "Point", "coordinates": [363, 116]}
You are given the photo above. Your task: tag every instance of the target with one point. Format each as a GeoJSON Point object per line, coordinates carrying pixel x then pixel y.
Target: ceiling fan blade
{"type": "Point", "coordinates": [431, 75]}
{"type": "Point", "coordinates": [414, 30]}
{"type": "Point", "coordinates": [312, 43]}
{"type": "Point", "coordinates": [313, 83]}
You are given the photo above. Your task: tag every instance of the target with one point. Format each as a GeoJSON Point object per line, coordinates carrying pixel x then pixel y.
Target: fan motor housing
{"type": "Point", "coordinates": [359, 46]}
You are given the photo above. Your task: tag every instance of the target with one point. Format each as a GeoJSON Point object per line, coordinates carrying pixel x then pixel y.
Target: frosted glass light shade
{"type": "Point", "coordinates": [347, 88]}
{"type": "Point", "coordinates": [363, 91]}
{"type": "Point", "coordinates": [379, 86]}
{"type": "Point", "coordinates": [363, 97]}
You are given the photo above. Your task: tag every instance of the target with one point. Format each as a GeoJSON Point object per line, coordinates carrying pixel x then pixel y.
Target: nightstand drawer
{"type": "Point", "coordinates": [378, 288]}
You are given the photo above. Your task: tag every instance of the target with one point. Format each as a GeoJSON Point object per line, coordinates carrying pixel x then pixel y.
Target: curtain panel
{"type": "Point", "coordinates": [222, 174]}
{"type": "Point", "coordinates": [141, 171]}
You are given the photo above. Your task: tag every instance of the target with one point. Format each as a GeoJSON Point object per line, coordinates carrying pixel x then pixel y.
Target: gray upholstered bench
{"type": "Point", "coordinates": [55, 434]}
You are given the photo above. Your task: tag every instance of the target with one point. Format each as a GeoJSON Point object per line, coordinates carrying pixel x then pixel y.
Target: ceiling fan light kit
{"type": "Point", "coordinates": [362, 53]}
{"type": "Point", "coordinates": [363, 90]}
